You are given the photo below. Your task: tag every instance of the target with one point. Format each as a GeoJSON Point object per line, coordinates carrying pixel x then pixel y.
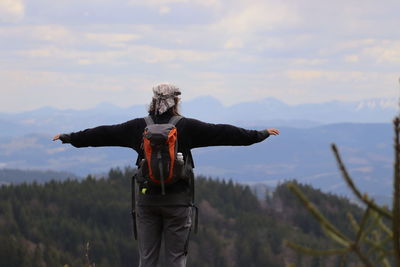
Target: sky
{"type": "Point", "coordinates": [79, 53]}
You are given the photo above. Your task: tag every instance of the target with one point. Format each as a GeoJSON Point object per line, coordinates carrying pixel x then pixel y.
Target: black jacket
{"type": "Point", "coordinates": [191, 134]}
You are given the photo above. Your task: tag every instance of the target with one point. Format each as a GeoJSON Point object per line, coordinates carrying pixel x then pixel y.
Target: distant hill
{"type": "Point", "coordinates": [51, 225]}
{"type": "Point", "coordinates": [264, 112]}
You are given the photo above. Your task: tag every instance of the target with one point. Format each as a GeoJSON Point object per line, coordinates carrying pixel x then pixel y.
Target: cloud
{"type": "Point", "coordinates": [352, 58]}
{"type": "Point", "coordinates": [45, 40]}
{"type": "Point", "coordinates": [260, 16]}
{"type": "Point", "coordinates": [164, 3]}
{"type": "Point", "coordinates": [243, 24]}
{"type": "Point", "coordinates": [11, 10]}
{"type": "Point", "coordinates": [112, 39]}
{"type": "Point", "coordinates": [306, 74]}
{"type": "Point", "coordinates": [308, 61]}
{"type": "Point", "coordinates": [150, 54]}
{"type": "Point", "coordinates": [232, 43]}
{"type": "Point", "coordinates": [52, 33]}
{"type": "Point", "coordinates": [130, 54]}
{"type": "Point", "coordinates": [320, 85]}
{"type": "Point", "coordinates": [386, 51]}
{"type": "Point", "coordinates": [164, 10]}
{"type": "Point", "coordinates": [53, 53]}
{"type": "Point", "coordinates": [370, 51]}
{"type": "Point", "coordinates": [335, 76]}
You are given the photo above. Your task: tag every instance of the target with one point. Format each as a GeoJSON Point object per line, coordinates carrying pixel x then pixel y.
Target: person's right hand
{"type": "Point", "coordinates": [56, 137]}
{"type": "Point", "coordinates": [65, 138]}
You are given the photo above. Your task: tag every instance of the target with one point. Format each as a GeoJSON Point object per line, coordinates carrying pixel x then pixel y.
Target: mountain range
{"type": "Point", "coordinates": [266, 112]}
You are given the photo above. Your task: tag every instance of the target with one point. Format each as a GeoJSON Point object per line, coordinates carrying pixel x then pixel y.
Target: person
{"type": "Point", "coordinates": [165, 216]}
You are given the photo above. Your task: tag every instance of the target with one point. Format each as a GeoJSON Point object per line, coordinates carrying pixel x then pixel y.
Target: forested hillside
{"type": "Point", "coordinates": [50, 224]}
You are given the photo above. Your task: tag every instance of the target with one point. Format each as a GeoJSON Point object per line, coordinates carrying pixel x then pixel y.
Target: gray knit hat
{"type": "Point", "coordinates": [164, 97]}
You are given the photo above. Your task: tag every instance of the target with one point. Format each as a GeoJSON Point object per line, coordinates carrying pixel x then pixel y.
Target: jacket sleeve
{"type": "Point", "coordinates": [206, 134]}
{"type": "Point", "coordinates": [125, 135]}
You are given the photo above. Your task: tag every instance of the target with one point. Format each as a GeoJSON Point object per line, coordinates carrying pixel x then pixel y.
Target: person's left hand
{"type": "Point", "coordinates": [273, 131]}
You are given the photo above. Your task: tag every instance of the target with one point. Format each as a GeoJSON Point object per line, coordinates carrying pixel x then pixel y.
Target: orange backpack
{"type": "Point", "coordinates": [162, 165]}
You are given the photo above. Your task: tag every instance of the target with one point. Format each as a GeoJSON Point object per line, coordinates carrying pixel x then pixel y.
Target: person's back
{"type": "Point", "coordinates": [166, 214]}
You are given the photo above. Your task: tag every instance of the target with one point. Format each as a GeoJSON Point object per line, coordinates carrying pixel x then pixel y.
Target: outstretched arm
{"type": "Point", "coordinates": [207, 134]}
{"type": "Point", "coordinates": [124, 134]}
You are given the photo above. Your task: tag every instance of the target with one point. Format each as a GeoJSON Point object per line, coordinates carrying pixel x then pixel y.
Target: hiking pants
{"type": "Point", "coordinates": [173, 223]}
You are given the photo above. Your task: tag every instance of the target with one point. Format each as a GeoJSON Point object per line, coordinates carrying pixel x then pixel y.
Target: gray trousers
{"type": "Point", "coordinates": [173, 223]}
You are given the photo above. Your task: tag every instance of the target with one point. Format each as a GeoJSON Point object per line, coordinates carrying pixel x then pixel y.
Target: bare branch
{"type": "Point", "coordinates": [339, 237]}
{"type": "Point", "coordinates": [396, 193]}
{"type": "Point", "coordinates": [361, 228]}
{"type": "Point", "coordinates": [364, 198]}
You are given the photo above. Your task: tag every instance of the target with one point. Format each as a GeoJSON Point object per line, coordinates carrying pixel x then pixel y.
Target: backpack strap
{"type": "Point", "coordinates": [148, 120]}
{"type": "Point", "coordinates": [175, 119]}
{"type": "Point", "coordinates": [133, 207]}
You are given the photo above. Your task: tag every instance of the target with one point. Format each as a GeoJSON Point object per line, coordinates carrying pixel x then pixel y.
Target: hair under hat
{"type": "Point", "coordinates": [164, 97]}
